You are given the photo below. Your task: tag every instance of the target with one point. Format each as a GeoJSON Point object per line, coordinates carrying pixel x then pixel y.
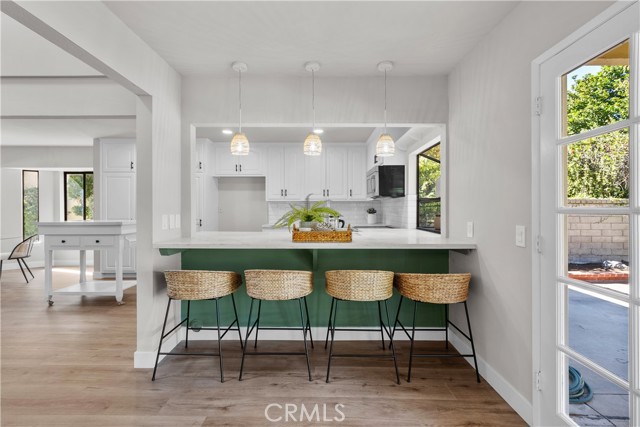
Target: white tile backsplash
{"type": "Point", "coordinates": [396, 212]}
{"type": "Point", "coordinates": [354, 213]}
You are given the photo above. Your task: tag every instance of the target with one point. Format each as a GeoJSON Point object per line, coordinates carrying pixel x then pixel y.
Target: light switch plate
{"type": "Point", "coordinates": [172, 221]}
{"type": "Point", "coordinates": [470, 229]}
{"type": "Point", "coordinates": [177, 220]}
{"type": "Point", "coordinates": [521, 236]}
{"type": "Point", "coordinates": [165, 222]}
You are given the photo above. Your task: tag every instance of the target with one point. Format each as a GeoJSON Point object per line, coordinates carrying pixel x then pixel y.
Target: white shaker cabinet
{"type": "Point", "coordinates": [285, 168]}
{"type": "Point", "coordinates": [337, 170]}
{"type": "Point", "coordinates": [226, 164]}
{"type": "Point", "coordinates": [357, 173]}
{"type": "Point", "coordinates": [115, 192]}
{"type": "Point", "coordinates": [339, 173]}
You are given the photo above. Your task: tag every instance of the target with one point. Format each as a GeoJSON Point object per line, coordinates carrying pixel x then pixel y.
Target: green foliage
{"type": "Point", "coordinates": [75, 195]}
{"type": "Point", "coordinates": [30, 211]}
{"type": "Point", "coordinates": [599, 167]}
{"type": "Point", "coordinates": [428, 173]}
{"type": "Point", "coordinates": [317, 212]}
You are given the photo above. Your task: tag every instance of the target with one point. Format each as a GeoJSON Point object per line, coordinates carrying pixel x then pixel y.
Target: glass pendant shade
{"type": "Point", "coordinates": [312, 145]}
{"type": "Point", "coordinates": [239, 144]}
{"type": "Point", "coordinates": [385, 146]}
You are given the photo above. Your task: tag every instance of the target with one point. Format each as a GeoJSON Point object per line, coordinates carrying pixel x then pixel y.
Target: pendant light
{"type": "Point", "coordinates": [312, 143]}
{"type": "Point", "coordinates": [239, 142]}
{"type": "Point", "coordinates": [385, 146]}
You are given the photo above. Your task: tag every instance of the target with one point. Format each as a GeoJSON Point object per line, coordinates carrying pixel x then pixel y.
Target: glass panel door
{"type": "Point", "coordinates": [589, 218]}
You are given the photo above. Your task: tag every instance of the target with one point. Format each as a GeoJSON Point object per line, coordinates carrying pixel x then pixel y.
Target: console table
{"type": "Point", "coordinates": [83, 236]}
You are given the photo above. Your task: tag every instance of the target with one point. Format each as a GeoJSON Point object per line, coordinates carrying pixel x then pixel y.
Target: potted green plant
{"type": "Point", "coordinates": [309, 216]}
{"type": "Point", "coordinates": [372, 218]}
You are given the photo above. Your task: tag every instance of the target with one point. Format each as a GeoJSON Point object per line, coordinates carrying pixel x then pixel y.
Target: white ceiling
{"type": "Point", "coordinates": [25, 53]}
{"type": "Point", "coordinates": [63, 132]}
{"type": "Point", "coordinates": [348, 38]}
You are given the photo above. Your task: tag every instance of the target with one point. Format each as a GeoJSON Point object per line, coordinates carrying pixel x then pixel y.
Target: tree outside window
{"type": "Point", "coordinates": [428, 189]}
{"type": "Point", "coordinates": [30, 203]}
{"type": "Point", "coordinates": [78, 198]}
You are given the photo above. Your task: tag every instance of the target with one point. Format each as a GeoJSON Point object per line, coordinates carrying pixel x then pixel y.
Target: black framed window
{"type": "Point", "coordinates": [30, 202]}
{"type": "Point", "coordinates": [428, 189]}
{"type": "Point", "coordinates": [78, 196]}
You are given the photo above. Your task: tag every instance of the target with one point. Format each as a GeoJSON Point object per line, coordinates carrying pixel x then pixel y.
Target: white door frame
{"type": "Point", "coordinates": [540, 243]}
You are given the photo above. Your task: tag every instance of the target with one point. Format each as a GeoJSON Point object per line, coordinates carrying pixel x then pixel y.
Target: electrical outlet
{"type": "Point", "coordinates": [470, 229]}
{"type": "Point", "coordinates": [521, 236]}
{"type": "Point", "coordinates": [165, 222]}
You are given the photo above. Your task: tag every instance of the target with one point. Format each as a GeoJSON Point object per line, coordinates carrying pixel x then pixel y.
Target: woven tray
{"type": "Point", "coordinates": [328, 236]}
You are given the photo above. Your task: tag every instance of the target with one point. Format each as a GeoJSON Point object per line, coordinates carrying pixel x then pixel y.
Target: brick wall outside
{"type": "Point", "coordinates": [594, 238]}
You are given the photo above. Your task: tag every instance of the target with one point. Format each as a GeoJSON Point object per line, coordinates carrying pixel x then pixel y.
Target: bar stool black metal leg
{"type": "Point", "coordinates": [446, 326]}
{"type": "Point", "coordinates": [304, 338]}
{"type": "Point", "coordinates": [473, 348]}
{"type": "Point", "coordinates": [235, 312]}
{"type": "Point", "coordinates": [308, 325]}
{"type": "Point", "coordinates": [219, 341]}
{"type": "Point", "coordinates": [333, 332]}
{"type": "Point", "coordinates": [393, 350]}
{"type": "Point", "coordinates": [186, 340]}
{"type": "Point", "coordinates": [246, 341]}
{"type": "Point", "coordinates": [381, 332]}
{"type": "Point", "coordinates": [413, 336]}
{"type": "Point", "coordinates": [395, 324]}
{"type": "Point", "coordinates": [326, 340]}
{"type": "Point", "coordinates": [255, 343]}
{"type": "Point", "coordinates": [164, 325]}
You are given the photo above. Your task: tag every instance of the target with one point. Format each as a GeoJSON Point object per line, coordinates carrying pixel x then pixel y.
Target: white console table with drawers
{"type": "Point", "coordinates": [83, 236]}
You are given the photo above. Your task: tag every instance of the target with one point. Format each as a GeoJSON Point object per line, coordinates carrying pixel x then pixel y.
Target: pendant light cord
{"type": "Point", "coordinates": [240, 97]}
{"type": "Point", "coordinates": [313, 98]}
{"type": "Point", "coordinates": [385, 101]}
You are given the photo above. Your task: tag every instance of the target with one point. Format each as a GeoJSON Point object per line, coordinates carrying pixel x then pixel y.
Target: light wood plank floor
{"type": "Point", "coordinates": [71, 365]}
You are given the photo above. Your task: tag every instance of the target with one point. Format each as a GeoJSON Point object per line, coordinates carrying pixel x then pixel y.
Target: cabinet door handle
{"type": "Point", "coordinates": [285, 192]}
{"type": "Point", "coordinates": [131, 165]}
{"type": "Point", "coordinates": [327, 192]}
{"type": "Point", "coordinates": [323, 193]}
{"type": "Point", "coordinates": [240, 168]}
{"type": "Point", "coordinates": [200, 165]}
{"type": "Point", "coordinates": [236, 168]}
{"type": "Point", "coordinates": [350, 193]}
{"type": "Point", "coordinates": [281, 192]}
{"type": "Point", "coordinates": [97, 241]}
{"type": "Point", "coordinates": [200, 223]}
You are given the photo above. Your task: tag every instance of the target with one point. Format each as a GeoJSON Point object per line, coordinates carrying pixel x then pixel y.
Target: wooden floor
{"type": "Point", "coordinates": [71, 365]}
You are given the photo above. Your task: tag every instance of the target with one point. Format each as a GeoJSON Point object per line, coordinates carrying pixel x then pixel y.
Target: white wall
{"type": "Point", "coordinates": [490, 179]}
{"type": "Point", "coordinates": [243, 205]}
{"type": "Point", "coordinates": [34, 157]}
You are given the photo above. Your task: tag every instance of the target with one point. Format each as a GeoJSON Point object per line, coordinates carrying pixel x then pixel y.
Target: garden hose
{"type": "Point", "coordinates": [579, 390]}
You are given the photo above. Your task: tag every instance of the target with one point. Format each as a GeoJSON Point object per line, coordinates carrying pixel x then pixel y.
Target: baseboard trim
{"type": "Point", "coordinates": [13, 264]}
{"type": "Point", "coordinates": [517, 401]}
{"type": "Point", "coordinates": [146, 359]}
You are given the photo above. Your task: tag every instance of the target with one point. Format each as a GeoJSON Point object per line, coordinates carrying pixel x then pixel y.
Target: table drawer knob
{"type": "Point", "coordinates": [97, 241]}
{"type": "Point", "coordinates": [64, 241]}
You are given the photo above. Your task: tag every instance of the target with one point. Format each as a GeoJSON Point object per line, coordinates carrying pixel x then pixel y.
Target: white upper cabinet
{"type": "Point", "coordinates": [285, 168]}
{"type": "Point", "coordinates": [118, 156]}
{"type": "Point", "coordinates": [338, 174]}
{"type": "Point", "coordinates": [118, 198]}
{"type": "Point", "coordinates": [357, 170]}
{"type": "Point", "coordinates": [226, 164]}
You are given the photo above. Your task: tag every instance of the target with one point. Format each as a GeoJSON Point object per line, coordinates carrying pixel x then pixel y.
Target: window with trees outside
{"type": "Point", "coordinates": [30, 203]}
{"type": "Point", "coordinates": [78, 196]}
{"type": "Point", "coordinates": [428, 190]}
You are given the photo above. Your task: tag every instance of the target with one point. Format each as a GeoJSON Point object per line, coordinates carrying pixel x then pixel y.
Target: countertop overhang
{"type": "Point", "coordinates": [363, 239]}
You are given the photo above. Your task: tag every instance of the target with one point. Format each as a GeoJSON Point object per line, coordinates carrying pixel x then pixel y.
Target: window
{"type": "Point", "coordinates": [78, 196]}
{"type": "Point", "coordinates": [428, 166]}
{"type": "Point", "coordinates": [30, 203]}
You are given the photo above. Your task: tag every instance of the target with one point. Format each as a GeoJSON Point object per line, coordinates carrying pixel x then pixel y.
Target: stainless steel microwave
{"type": "Point", "coordinates": [385, 181]}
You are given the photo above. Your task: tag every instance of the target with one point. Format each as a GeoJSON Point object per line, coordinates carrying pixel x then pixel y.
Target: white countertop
{"type": "Point", "coordinates": [364, 239]}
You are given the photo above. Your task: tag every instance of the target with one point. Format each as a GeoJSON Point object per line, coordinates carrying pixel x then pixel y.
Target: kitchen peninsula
{"type": "Point", "coordinates": [398, 250]}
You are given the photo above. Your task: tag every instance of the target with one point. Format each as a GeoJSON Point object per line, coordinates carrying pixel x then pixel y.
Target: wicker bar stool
{"type": "Point", "coordinates": [278, 285]}
{"type": "Point", "coordinates": [435, 289]}
{"type": "Point", "coordinates": [364, 286]}
{"type": "Point", "coordinates": [196, 285]}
